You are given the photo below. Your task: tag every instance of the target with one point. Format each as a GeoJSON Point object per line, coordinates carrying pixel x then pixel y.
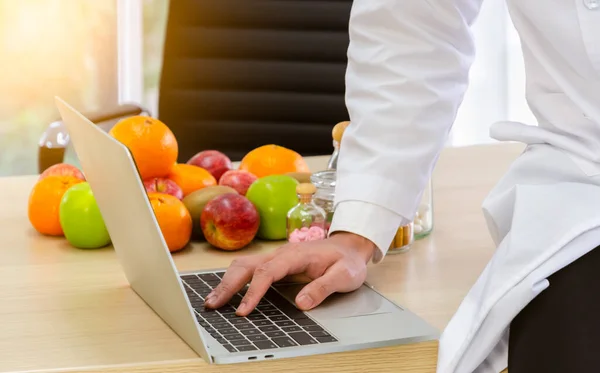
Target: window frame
{"type": "Point", "coordinates": [130, 51]}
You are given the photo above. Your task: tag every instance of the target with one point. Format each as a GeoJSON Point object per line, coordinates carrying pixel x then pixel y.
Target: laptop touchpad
{"type": "Point", "coordinates": [360, 302]}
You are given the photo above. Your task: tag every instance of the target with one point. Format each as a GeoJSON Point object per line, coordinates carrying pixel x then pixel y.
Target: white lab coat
{"type": "Point", "coordinates": [543, 215]}
{"type": "Point", "coordinates": [408, 65]}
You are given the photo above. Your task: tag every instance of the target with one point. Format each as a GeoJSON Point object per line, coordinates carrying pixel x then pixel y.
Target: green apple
{"type": "Point", "coordinates": [273, 197]}
{"type": "Point", "coordinates": [81, 220]}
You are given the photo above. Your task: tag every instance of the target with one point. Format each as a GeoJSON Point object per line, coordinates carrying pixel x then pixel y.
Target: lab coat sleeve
{"type": "Point", "coordinates": [408, 66]}
{"type": "Point", "coordinates": [363, 216]}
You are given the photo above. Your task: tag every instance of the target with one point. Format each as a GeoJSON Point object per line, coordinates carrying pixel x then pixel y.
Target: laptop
{"type": "Point", "coordinates": [276, 329]}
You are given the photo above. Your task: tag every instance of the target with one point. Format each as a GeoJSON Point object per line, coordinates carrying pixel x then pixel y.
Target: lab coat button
{"type": "Point", "coordinates": [592, 4]}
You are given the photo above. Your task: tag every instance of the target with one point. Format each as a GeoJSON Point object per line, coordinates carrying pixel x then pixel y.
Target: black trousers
{"type": "Point", "coordinates": [559, 331]}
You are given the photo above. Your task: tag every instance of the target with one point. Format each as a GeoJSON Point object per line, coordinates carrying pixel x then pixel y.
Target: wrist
{"type": "Point", "coordinates": [364, 247]}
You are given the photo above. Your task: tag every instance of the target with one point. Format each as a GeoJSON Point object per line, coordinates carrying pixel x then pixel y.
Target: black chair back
{"type": "Point", "coordinates": [238, 74]}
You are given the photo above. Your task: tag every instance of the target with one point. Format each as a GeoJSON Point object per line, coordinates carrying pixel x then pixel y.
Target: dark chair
{"type": "Point", "coordinates": [239, 74]}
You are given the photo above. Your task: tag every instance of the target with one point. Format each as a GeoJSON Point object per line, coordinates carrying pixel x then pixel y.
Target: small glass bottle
{"type": "Point", "coordinates": [306, 220]}
{"type": "Point", "coordinates": [55, 147]}
{"type": "Point", "coordinates": [336, 134]}
{"type": "Point", "coordinates": [423, 222]}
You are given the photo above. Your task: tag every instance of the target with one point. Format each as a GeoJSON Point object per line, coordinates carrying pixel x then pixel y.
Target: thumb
{"type": "Point", "coordinates": [333, 280]}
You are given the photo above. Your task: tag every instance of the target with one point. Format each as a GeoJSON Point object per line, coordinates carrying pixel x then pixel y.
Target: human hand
{"type": "Point", "coordinates": [336, 264]}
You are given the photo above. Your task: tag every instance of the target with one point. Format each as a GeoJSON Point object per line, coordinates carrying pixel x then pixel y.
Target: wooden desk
{"type": "Point", "coordinates": [65, 310]}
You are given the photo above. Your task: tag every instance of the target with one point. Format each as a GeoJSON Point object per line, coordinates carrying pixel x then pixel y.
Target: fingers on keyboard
{"type": "Point", "coordinates": [274, 323]}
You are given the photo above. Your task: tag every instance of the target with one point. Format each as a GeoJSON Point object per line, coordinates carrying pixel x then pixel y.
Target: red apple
{"type": "Point", "coordinates": [163, 185]}
{"type": "Point", "coordinates": [212, 161]}
{"type": "Point", "coordinates": [229, 221]}
{"type": "Point", "coordinates": [239, 180]}
{"type": "Point", "coordinates": [62, 169]}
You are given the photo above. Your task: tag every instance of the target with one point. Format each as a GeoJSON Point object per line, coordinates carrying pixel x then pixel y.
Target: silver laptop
{"type": "Point", "coordinates": [276, 329]}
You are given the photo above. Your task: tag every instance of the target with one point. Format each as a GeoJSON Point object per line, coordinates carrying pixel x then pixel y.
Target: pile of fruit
{"type": "Point", "coordinates": [205, 198]}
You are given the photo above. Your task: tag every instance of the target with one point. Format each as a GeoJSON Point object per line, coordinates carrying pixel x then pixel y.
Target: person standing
{"type": "Point", "coordinates": [533, 308]}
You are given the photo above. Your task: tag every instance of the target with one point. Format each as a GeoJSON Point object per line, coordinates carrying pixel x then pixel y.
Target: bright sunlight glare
{"type": "Point", "coordinates": [45, 43]}
{"type": "Point", "coordinates": [48, 48]}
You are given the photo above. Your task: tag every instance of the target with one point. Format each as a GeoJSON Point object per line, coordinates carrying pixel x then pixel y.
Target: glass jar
{"type": "Point", "coordinates": [306, 220]}
{"type": "Point", "coordinates": [324, 181]}
{"type": "Point", "coordinates": [402, 240]}
{"type": "Point", "coordinates": [423, 222]}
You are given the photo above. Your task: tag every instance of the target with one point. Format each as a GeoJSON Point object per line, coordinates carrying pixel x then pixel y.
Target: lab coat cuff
{"type": "Point", "coordinates": [400, 198]}
{"type": "Point", "coordinates": [376, 223]}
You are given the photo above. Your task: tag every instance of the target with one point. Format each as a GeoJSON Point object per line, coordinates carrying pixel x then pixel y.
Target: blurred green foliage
{"type": "Point", "coordinates": [155, 21]}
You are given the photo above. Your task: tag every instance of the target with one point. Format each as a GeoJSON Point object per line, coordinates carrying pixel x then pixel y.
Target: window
{"type": "Point", "coordinates": [47, 48]}
{"type": "Point", "coordinates": [155, 21]}
{"type": "Point", "coordinates": [141, 37]}
{"type": "Point", "coordinates": [497, 86]}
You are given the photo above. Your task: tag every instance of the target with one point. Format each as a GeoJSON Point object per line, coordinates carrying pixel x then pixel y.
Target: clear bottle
{"type": "Point", "coordinates": [336, 134]}
{"type": "Point", "coordinates": [55, 147]}
{"type": "Point", "coordinates": [324, 181]}
{"type": "Point", "coordinates": [324, 197]}
{"type": "Point", "coordinates": [306, 220]}
{"type": "Point", "coordinates": [423, 222]}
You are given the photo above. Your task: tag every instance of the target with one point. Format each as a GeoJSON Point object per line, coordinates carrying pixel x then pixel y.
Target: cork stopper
{"type": "Point", "coordinates": [338, 131]}
{"type": "Point", "coordinates": [306, 189]}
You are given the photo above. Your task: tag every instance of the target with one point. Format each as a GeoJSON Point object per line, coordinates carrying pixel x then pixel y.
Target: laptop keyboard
{"type": "Point", "coordinates": [275, 322]}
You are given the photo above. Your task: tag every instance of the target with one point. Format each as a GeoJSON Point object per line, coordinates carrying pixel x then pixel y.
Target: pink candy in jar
{"type": "Point", "coordinates": [307, 234]}
{"type": "Point", "coordinates": [306, 221]}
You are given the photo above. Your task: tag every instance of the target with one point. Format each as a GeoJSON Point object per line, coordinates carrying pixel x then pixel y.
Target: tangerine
{"type": "Point", "coordinates": [273, 160]}
{"type": "Point", "coordinates": [173, 218]}
{"type": "Point", "coordinates": [44, 203]}
{"type": "Point", "coordinates": [191, 178]}
{"type": "Point", "coordinates": [152, 144]}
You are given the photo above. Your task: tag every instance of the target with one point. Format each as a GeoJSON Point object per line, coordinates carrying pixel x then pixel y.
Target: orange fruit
{"type": "Point", "coordinates": [152, 144]}
{"type": "Point", "coordinates": [273, 160]}
{"type": "Point", "coordinates": [44, 203]}
{"type": "Point", "coordinates": [173, 218]}
{"type": "Point", "coordinates": [191, 178]}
